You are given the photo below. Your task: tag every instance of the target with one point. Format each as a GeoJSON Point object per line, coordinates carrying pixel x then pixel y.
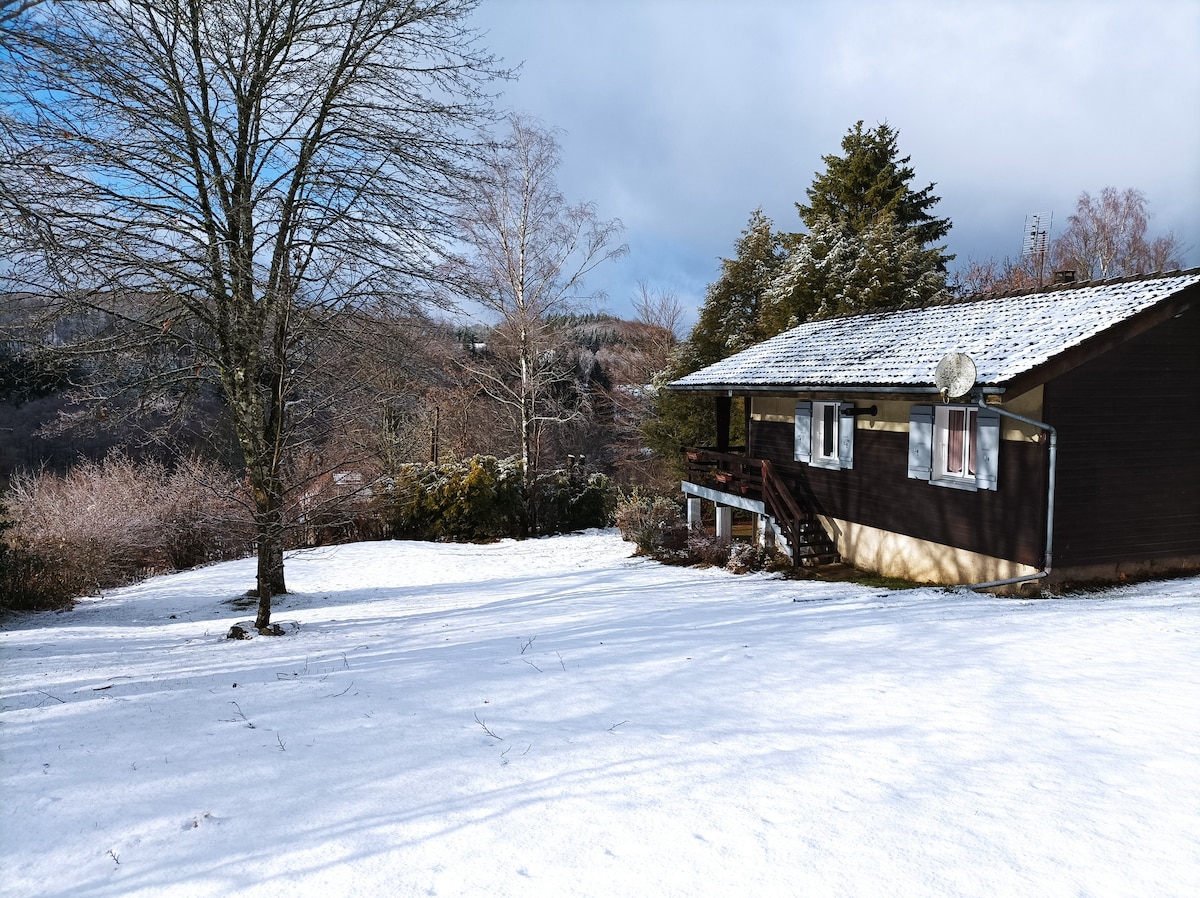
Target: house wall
{"type": "Point", "coordinates": [920, 560]}
{"type": "Point", "coordinates": [1128, 494]}
{"type": "Point", "coordinates": [937, 533]}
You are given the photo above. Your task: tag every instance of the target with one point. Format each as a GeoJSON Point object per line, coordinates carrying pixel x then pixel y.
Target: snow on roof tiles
{"type": "Point", "coordinates": [1004, 335]}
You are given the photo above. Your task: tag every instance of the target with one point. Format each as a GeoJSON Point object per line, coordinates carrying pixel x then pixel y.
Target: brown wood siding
{"type": "Point", "coordinates": [1008, 522]}
{"type": "Point", "coordinates": [1129, 450]}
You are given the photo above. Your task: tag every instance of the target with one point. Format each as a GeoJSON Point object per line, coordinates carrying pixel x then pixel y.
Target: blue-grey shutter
{"type": "Point", "coordinates": [846, 425]}
{"type": "Point", "coordinates": [920, 442]}
{"type": "Point", "coordinates": [803, 431]}
{"type": "Point", "coordinates": [987, 448]}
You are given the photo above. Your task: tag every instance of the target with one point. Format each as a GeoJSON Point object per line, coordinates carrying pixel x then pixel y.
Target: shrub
{"type": "Point", "coordinates": [336, 507]}
{"type": "Point", "coordinates": [705, 548]}
{"type": "Point", "coordinates": [479, 498]}
{"type": "Point", "coordinates": [482, 498]}
{"type": "Point", "coordinates": [655, 524]}
{"type": "Point", "coordinates": [26, 584]}
{"type": "Point", "coordinates": [106, 523]}
{"type": "Point", "coordinates": [747, 557]}
{"type": "Point", "coordinates": [571, 500]}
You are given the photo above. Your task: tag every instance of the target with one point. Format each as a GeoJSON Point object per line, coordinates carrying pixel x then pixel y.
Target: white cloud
{"type": "Point", "coordinates": [682, 117]}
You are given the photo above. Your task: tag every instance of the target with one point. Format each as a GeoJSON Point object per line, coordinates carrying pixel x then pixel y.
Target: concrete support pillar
{"type": "Point", "coordinates": [765, 537]}
{"type": "Point", "coordinates": [724, 524]}
{"type": "Point", "coordinates": [693, 513]}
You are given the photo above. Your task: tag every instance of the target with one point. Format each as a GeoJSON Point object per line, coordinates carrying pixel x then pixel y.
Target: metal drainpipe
{"type": "Point", "coordinates": [1045, 571]}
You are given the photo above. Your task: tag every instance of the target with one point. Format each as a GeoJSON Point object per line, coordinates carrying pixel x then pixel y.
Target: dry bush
{"type": "Point", "coordinates": [655, 524]}
{"type": "Point", "coordinates": [705, 548]}
{"type": "Point", "coordinates": [111, 522]}
{"type": "Point", "coordinates": [26, 583]}
{"type": "Point", "coordinates": [747, 557]}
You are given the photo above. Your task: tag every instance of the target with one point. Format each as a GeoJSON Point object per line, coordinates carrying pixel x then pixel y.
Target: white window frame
{"type": "Point", "coordinates": [826, 424]}
{"type": "Point", "coordinates": [955, 446]}
{"type": "Point", "coordinates": [812, 432]}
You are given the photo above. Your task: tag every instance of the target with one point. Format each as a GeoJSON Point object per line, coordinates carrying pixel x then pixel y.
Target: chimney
{"type": "Point", "coordinates": [1065, 276]}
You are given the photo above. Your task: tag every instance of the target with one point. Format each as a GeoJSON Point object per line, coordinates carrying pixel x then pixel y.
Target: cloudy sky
{"type": "Point", "coordinates": [680, 117]}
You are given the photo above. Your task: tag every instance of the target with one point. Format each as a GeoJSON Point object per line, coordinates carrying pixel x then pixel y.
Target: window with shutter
{"type": "Point", "coordinates": [824, 434]}
{"type": "Point", "coordinates": [954, 445]}
{"type": "Point", "coordinates": [803, 446]}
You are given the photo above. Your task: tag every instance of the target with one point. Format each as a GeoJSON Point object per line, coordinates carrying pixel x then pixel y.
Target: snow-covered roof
{"type": "Point", "coordinates": [1006, 336]}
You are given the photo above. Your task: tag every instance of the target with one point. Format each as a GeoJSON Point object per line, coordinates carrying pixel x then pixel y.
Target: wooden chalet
{"type": "Point", "coordinates": [1073, 453]}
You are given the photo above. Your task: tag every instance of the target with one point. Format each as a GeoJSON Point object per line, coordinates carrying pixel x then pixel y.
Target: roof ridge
{"type": "Point", "coordinates": [1075, 285]}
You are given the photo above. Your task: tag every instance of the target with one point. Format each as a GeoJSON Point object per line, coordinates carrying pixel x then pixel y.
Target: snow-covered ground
{"type": "Point", "coordinates": [556, 718]}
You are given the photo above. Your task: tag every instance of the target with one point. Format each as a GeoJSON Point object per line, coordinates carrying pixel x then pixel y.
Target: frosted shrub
{"type": "Point", "coordinates": [206, 515]}
{"type": "Point", "coordinates": [482, 498]}
{"type": "Point", "coordinates": [111, 522]}
{"type": "Point", "coordinates": [479, 498]}
{"type": "Point", "coordinates": [26, 583]}
{"type": "Point", "coordinates": [655, 524]}
{"type": "Point", "coordinates": [704, 548]}
{"type": "Point", "coordinates": [747, 557]}
{"type": "Point", "coordinates": [571, 500]}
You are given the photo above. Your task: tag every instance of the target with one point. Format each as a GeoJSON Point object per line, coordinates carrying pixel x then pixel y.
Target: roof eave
{"type": "Point", "coordinates": [897, 391]}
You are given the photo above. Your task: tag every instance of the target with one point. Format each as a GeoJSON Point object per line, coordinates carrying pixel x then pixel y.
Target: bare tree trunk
{"type": "Point", "coordinates": [270, 581]}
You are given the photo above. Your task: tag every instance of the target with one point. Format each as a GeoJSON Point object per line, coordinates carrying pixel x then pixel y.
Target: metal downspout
{"type": "Point", "coordinates": [1045, 571]}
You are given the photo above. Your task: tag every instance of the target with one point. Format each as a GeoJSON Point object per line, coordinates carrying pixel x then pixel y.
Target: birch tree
{"type": "Point", "coordinates": [1106, 237]}
{"type": "Point", "coordinates": [228, 178]}
{"type": "Point", "coordinates": [528, 252]}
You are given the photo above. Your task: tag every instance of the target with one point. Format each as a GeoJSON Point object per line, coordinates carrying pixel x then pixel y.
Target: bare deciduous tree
{"type": "Point", "coordinates": [660, 308]}
{"type": "Point", "coordinates": [992, 276]}
{"type": "Point", "coordinates": [229, 178]}
{"type": "Point", "coordinates": [1106, 238]}
{"type": "Point", "coordinates": [529, 251]}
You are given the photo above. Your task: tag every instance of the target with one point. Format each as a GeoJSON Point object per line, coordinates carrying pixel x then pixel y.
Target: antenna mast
{"type": "Point", "coordinates": [1037, 231]}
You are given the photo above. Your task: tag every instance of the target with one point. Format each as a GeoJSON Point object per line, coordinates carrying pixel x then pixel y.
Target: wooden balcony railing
{"type": "Point", "coordinates": [728, 472]}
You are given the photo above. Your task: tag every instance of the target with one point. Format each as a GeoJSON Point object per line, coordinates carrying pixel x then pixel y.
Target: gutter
{"type": "Point", "coordinates": [1045, 571]}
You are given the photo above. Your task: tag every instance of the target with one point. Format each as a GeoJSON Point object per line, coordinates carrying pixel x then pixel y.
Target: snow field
{"type": "Point", "coordinates": [555, 718]}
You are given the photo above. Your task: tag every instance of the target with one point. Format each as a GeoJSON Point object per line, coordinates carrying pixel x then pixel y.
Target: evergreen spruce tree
{"type": "Point", "coordinates": [869, 240]}
{"type": "Point", "coordinates": [870, 182]}
{"type": "Point", "coordinates": [729, 320]}
{"type": "Point", "coordinates": [830, 272]}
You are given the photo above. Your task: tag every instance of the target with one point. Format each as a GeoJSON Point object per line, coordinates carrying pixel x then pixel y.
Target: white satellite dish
{"type": "Point", "coordinates": [955, 375]}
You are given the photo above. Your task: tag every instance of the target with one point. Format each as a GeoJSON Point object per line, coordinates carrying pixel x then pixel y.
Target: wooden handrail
{"type": "Point", "coordinates": [782, 505]}
{"type": "Point", "coordinates": [725, 467]}
{"type": "Point", "coordinates": [776, 487]}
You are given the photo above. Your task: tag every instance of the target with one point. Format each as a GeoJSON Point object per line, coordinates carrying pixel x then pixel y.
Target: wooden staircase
{"type": "Point", "coordinates": [797, 531]}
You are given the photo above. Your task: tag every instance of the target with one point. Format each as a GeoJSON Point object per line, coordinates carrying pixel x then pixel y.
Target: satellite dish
{"type": "Point", "coordinates": [955, 375]}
